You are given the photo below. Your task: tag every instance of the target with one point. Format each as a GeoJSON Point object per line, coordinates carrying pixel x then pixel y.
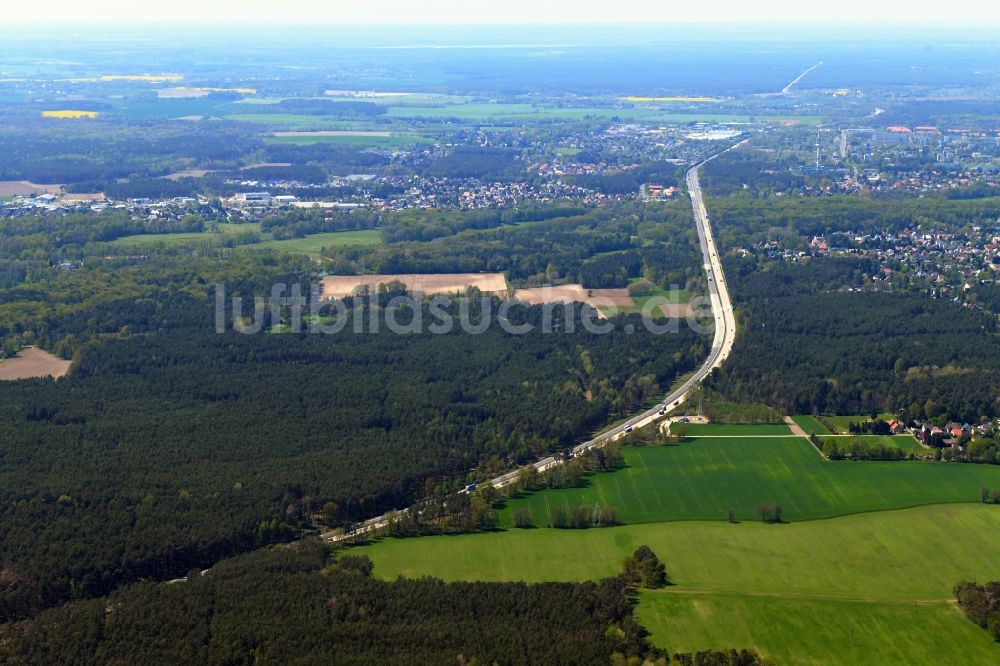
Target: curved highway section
{"type": "Point", "coordinates": [722, 345]}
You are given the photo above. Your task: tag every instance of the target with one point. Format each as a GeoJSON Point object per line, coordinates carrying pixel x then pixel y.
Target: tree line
{"type": "Point", "coordinates": [300, 603]}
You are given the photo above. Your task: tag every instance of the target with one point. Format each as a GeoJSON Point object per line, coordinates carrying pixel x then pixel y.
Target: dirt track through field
{"type": "Point", "coordinates": [795, 427]}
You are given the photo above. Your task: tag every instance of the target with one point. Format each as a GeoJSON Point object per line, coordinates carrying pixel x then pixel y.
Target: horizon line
{"type": "Point", "coordinates": [874, 22]}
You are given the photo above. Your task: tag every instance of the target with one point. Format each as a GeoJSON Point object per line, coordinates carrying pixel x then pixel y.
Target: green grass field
{"type": "Point", "coordinates": [871, 588]}
{"type": "Point", "coordinates": [639, 302]}
{"type": "Point", "coordinates": [702, 478]}
{"type": "Point", "coordinates": [313, 244]}
{"type": "Point", "coordinates": [909, 443]}
{"type": "Point", "coordinates": [817, 632]}
{"type": "Point", "coordinates": [307, 245]}
{"type": "Point", "coordinates": [885, 556]}
{"type": "Point", "coordinates": [811, 424]}
{"type": "Point", "coordinates": [906, 442]}
{"type": "Point", "coordinates": [223, 230]}
{"type": "Point", "coordinates": [737, 430]}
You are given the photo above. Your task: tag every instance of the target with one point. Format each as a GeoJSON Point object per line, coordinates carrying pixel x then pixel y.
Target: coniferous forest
{"type": "Point", "coordinates": [172, 448]}
{"type": "Point", "coordinates": [293, 604]}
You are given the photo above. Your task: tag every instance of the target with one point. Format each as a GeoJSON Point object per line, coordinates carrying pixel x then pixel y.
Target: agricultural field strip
{"type": "Point", "coordinates": [789, 630]}
{"type": "Point", "coordinates": [708, 475]}
{"type": "Point", "coordinates": [871, 557]}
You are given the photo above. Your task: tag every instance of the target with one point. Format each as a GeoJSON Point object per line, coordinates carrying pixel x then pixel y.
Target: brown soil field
{"type": "Point", "coordinates": [676, 310]}
{"type": "Point", "coordinates": [33, 362]}
{"type": "Point", "coordinates": [569, 293]}
{"type": "Point", "coordinates": [339, 286]}
{"type": "Point", "coordinates": [11, 188]}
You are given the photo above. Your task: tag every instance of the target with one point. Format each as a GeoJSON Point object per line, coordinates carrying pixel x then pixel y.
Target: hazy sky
{"type": "Point", "coordinates": [498, 11]}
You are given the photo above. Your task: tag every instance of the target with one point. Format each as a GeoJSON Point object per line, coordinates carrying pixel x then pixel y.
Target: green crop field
{"type": "Point", "coordinates": [736, 430]}
{"type": "Point", "coordinates": [917, 553]}
{"type": "Point", "coordinates": [811, 424]}
{"type": "Point", "coordinates": [869, 588]}
{"type": "Point", "coordinates": [702, 478]}
{"type": "Point", "coordinates": [817, 632]}
{"type": "Point", "coordinates": [313, 244]}
{"type": "Point", "coordinates": [908, 443]}
{"type": "Point", "coordinates": [223, 230]}
{"type": "Point", "coordinates": [678, 296]}
{"type": "Point", "coordinates": [241, 235]}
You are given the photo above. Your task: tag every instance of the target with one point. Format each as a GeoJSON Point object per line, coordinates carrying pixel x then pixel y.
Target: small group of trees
{"type": "Point", "coordinates": [582, 517]}
{"type": "Point", "coordinates": [981, 604]}
{"type": "Point", "coordinates": [644, 568]}
{"type": "Point", "coordinates": [674, 433]}
{"type": "Point", "coordinates": [980, 451]}
{"type": "Point", "coordinates": [456, 513]}
{"type": "Point", "coordinates": [719, 411]}
{"type": "Point", "coordinates": [874, 426]}
{"type": "Point", "coordinates": [523, 519]}
{"type": "Point", "coordinates": [769, 513]}
{"type": "Point", "coordinates": [988, 496]}
{"type": "Point", "coordinates": [570, 474]}
{"type": "Point", "coordinates": [860, 449]}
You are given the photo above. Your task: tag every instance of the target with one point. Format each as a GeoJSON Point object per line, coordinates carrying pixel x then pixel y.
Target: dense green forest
{"type": "Point", "coordinates": [806, 347]}
{"type": "Point", "coordinates": [294, 605]}
{"type": "Point", "coordinates": [129, 158]}
{"type": "Point", "coordinates": [751, 172]}
{"type": "Point", "coordinates": [40, 152]}
{"type": "Point", "coordinates": [743, 220]}
{"type": "Point", "coordinates": [603, 247]}
{"type": "Point", "coordinates": [172, 446]}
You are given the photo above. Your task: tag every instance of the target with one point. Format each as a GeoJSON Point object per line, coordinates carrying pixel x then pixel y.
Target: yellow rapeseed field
{"type": "Point", "coordinates": [69, 114]}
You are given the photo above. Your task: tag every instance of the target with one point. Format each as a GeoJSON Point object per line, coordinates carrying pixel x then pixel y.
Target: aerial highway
{"type": "Point", "coordinates": [722, 345]}
{"type": "Point", "coordinates": [788, 89]}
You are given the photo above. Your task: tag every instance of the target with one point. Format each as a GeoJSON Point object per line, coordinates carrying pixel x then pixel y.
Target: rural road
{"type": "Point", "coordinates": [722, 345]}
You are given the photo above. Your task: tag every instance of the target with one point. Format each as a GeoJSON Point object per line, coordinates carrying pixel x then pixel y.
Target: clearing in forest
{"type": "Point", "coordinates": [340, 286]}
{"type": "Point", "coordinates": [33, 362]}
